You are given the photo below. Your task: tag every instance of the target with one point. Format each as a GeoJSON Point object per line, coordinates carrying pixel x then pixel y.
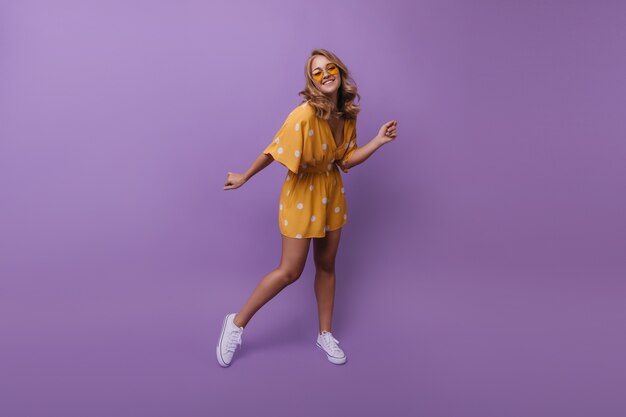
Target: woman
{"type": "Point", "coordinates": [317, 137]}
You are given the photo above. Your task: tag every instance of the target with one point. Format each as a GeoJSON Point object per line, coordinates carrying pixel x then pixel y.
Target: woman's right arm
{"type": "Point", "coordinates": [236, 180]}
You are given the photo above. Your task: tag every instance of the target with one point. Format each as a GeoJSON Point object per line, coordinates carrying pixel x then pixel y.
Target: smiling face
{"type": "Point", "coordinates": [326, 75]}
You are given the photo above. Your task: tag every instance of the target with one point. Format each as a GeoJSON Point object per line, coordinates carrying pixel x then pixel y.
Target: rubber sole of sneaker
{"type": "Point", "coordinates": [218, 350]}
{"type": "Point", "coordinates": [336, 361]}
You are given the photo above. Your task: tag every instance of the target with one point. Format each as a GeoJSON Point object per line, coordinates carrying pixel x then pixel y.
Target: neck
{"type": "Point", "coordinates": [334, 99]}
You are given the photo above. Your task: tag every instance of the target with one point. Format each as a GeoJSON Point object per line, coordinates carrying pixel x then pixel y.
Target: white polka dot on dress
{"type": "Point", "coordinates": [277, 140]}
{"type": "Point", "coordinates": [297, 126]}
{"type": "Point", "coordinates": [300, 206]}
{"type": "Point", "coordinates": [312, 218]}
{"type": "Point", "coordinates": [298, 236]}
{"type": "Point", "coordinates": [337, 209]}
{"type": "Point", "coordinates": [286, 222]}
{"type": "Point", "coordinates": [280, 150]}
{"type": "Point", "coordinates": [281, 207]}
{"type": "Point", "coordinates": [342, 190]}
{"type": "Point", "coordinates": [311, 188]}
{"type": "Point", "coordinates": [345, 216]}
{"type": "Point", "coordinates": [324, 200]}
{"type": "Point", "coordinates": [311, 132]}
{"type": "Point", "coordinates": [324, 146]}
{"type": "Point", "coordinates": [297, 153]}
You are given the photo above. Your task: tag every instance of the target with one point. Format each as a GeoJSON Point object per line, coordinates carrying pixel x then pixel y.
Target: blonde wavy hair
{"type": "Point", "coordinates": [346, 108]}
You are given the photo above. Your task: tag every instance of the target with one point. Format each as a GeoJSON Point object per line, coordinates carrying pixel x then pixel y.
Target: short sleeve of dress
{"type": "Point", "coordinates": [288, 142]}
{"type": "Point", "coordinates": [352, 146]}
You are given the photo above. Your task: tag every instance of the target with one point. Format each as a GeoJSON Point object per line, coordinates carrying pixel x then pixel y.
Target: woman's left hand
{"type": "Point", "coordinates": [387, 132]}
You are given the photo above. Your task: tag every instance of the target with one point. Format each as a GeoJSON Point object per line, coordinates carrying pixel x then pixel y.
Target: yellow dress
{"type": "Point", "coordinates": [312, 199]}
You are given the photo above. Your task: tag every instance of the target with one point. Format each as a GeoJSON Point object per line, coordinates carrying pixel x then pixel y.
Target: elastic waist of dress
{"type": "Point", "coordinates": [327, 169]}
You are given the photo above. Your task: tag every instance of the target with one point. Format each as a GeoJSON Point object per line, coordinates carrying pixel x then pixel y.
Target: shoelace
{"type": "Point", "coordinates": [234, 339]}
{"type": "Point", "coordinates": [329, 339]}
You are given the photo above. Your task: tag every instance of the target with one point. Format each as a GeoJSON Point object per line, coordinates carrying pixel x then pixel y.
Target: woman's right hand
{"type": "Point", "coordinates": [234, 180]}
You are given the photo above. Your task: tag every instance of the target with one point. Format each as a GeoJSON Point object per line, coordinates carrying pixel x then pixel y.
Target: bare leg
{"type": "Point", "coordinates": [325, 251]}
{"type": "Point", "coordinates": [292, 261]}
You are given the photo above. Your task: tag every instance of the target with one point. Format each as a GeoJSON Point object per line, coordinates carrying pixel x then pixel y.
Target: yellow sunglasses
{"type": "Point", "coordinates": [318, 74]}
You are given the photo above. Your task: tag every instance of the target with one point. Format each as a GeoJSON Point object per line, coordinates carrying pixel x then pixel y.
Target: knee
{"type": "Point", "coordinates": [326, 267]}
{"type": "Point", "coordinates": [289, 276]}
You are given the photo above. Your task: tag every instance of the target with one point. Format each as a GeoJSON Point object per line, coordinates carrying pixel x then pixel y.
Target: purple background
{"type": "Point", "coordinates": [482, 269]}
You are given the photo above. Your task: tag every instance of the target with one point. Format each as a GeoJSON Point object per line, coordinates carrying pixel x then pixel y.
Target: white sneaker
{"type": "Point", "coordinates": [228, 341]}
{"type": "Point", "coordinates": [328, 344]}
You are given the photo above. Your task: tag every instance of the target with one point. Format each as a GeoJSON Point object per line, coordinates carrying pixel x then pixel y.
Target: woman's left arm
{"type": "Point", "coordinates": [386, 134]}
